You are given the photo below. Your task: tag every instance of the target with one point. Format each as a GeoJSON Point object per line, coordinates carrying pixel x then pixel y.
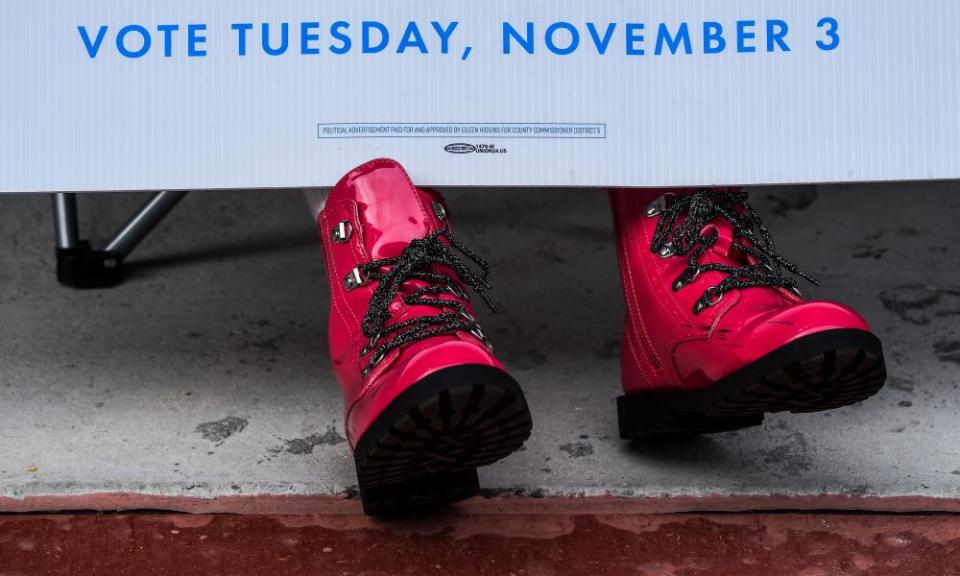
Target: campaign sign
{"type": "Point", "coordinates": [110, 95]}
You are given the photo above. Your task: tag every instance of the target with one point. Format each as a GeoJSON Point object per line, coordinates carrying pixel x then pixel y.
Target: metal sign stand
{"type": "Point", "coordinates": [79, 265]}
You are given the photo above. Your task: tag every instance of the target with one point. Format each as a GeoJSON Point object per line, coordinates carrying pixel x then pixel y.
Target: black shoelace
{"type": "Point", "coordinates": [751, 237]}
{"type": "Point", "coordinates": [414, 263]}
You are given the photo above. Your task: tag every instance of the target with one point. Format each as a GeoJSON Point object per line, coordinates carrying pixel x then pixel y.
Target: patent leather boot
{"type": "Point", "coordinates": [717, 333]}
{"type": "Point", "coordinates": [426, 400]}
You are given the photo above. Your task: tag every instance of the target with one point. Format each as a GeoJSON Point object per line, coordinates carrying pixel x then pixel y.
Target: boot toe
{"type": "Point", "coordinates": [768, 332]}
{"type": "Point", "coordinates": [437, 356]}
{"type": "Point", "coordinates": [410, 366]}
{"type": "Point", "coordinates": [702, 362]}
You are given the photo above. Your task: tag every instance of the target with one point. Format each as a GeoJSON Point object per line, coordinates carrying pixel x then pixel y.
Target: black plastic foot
{"type": "Point", "coordinates": [84, 267]}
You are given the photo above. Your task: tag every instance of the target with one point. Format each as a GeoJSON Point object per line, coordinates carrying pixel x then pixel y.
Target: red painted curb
{"type": "Point", "coordinates": [561, 545]}
{"type": "Point", "coordinates": [341, 505]}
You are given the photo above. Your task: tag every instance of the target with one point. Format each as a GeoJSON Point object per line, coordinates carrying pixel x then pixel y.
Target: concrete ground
{"type": "Point", "coordinates": [206, 374]}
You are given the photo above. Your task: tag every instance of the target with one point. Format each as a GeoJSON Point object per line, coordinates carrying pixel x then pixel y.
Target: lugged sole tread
{"type": "Point", "coordinates": [824, 371]}
{"type": "Point", "coordinates": [423, 451]}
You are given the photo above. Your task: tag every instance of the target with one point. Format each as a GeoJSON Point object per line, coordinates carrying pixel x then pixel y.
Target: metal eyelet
{"type": "Point", "coordinates": [657, 206]}
{"type": "Point", "coordinates": [667, 251]}
{"type": "Point", "coordinates": [467, 316]}
{"type": "Point", "coordinates": [457, 292]}
{"type": "Point", "coordinates": [370, 345]}
{"type": "Point", "coordinates": [439, 211]}
{"type": "Point", "coordinates": [796, 291]}
{"type": "Point", "coordinates": [683, 280]}
{"type": "Point", "coordinates": [355, 279]}
{"type": "Point", "coordinates": [479, 335]}
{"type": "Point", "coordinates": [710, 298]}
{"type": "Point", "coordinates": [373, 364]}
{"type": "Point", "coordinates": [342, 232]}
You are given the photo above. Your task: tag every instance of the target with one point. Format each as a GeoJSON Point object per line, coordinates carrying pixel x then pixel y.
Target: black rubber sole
{"type": "Point", "coordinates": [819, 372]}
{"type": "Point", "coordinates": [423, 451]}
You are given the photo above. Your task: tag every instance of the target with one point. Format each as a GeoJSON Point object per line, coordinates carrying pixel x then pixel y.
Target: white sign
{"type": "Point", "coordinates": [145, 95]}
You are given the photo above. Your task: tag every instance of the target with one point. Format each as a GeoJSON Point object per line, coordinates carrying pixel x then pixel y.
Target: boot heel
{"type": "Point", "coordinates": [651, 414]}
{"type": "Point", "coordinates": [419, 494]}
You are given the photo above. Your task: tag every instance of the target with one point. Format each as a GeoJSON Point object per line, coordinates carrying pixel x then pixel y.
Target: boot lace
{"type": "Point", "coordinates": [414, 263]}
{"type": "Point", "coordinates": [687, 239]}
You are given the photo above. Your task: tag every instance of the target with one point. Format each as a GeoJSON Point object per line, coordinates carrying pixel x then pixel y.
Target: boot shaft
{"type": "Point", "coordinates": [382, 205]}
{"type": "Point", "coordinates": [704, 287]}
{"type": "Point", "coordinates": [399, 308]}
{"type": "Point", "coordinates": [373, 213]}
{"type": "Point", "coordinates": [426, 403]}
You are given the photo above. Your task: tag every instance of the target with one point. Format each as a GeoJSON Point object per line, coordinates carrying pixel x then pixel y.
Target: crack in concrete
{"type": "Point", "coordinates": [948, 351]}
{"type": "Point", "coordinates": [219, 430]}
{"type": "Point", "coordinates": [577, 449]}
{"type": "Point", "coordinates": [915, 303]}
{"type": "Point", "coordinates": [305, 446]}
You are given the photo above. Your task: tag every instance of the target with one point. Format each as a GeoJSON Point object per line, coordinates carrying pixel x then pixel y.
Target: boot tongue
{"type": "Point", "coordinates": [392, 210]}
{"type": "Point", "coordinates": [721, 252]}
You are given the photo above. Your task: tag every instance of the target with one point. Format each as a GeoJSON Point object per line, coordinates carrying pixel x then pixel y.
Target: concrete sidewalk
{"type": "Point", "coordinates": [206, 374]}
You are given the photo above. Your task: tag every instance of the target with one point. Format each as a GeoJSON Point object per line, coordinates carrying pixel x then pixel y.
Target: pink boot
{"type": "Point", "coordinates": [717, 334]}
{"type": "Point", "coordinates": [427, 402]}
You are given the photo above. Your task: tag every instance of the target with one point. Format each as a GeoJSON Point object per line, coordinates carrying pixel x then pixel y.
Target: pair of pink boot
{"type": "Point", "coordinates": [716, 333]}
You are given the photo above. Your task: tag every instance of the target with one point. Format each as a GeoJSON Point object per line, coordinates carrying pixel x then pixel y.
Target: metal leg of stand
{"type": "Point", "coordinates": [65, 220]}
{"type": "Point", "coordinates": [79, 265]}
{"type": "Point", "coordinates": [143, 222]}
